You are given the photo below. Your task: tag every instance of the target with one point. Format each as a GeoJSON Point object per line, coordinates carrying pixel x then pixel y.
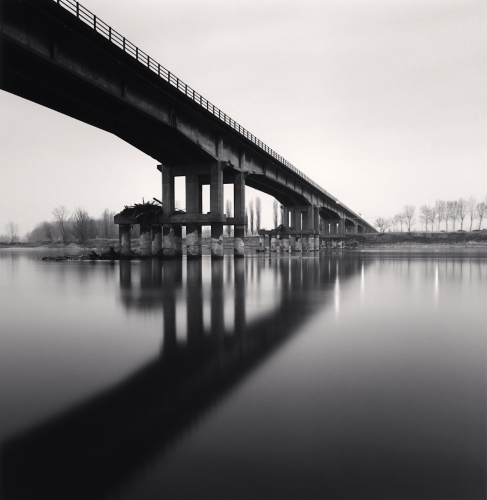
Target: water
{"type": "Point", "coordinates": [339, 375]}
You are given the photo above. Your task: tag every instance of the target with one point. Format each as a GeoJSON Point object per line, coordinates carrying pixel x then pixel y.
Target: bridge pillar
{"type": "Point", "coordinates": [311, 243]}
{"type": "Point", "coordinates": [193, 241]}
{"type": "Point", "coordinates": [168, 241]}
{"type": "Point", "coordinates": [273, 244]}
{"type": "Point", "coordinates": [239, 240]}
{"type": "Point", "coordinates": [178, 239]}
{"type": "Point", "coordinates": [239, 211]}
{"type": "Point", "coordinates": [341, 226]}
{"type": "Point", "coordinates": [156, 240]}
{"type": "Point", "coordinates": [145, 239]}
{"type": "Point", "coordinates": [262, 243]}
{"type": "Point", "coordinates": [124, 239]}
{"type": "Point", "coordinates": [304, 242]}
{"type": "Point", "coordinates": [217, 240]}
{"type": "Point", "coordinates": [299, 243]}
{"type": "Point", "coordinates": [317, 242]}
{"type": "Point", "coordinates": [167, 190]}
{"type": "Point", "coordinates": [285, 243]}
{"type": "Point", "coordinates": [292, 243]}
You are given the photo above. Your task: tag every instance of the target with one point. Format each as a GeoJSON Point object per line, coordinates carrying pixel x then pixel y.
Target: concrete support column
{"type": "Point", "coordinates": [285, 243]}
{"type": "Point", "coordinates": [285, 217]}
{"type": "Point", "coordinates": [217, 240]}
{"type": "Point", "coordinates": [239, 211]}
{"type": "Point", "coordinates": [168, 242]}
{"type": "Point", "coordinates": [239, 241]}
{"type": "Point", "coordinates": [216, 189]}
{"type": "Point", "coordinates": [178, 240]}
{"type": "Point", "coordinates": [304, 242]}
{"type": "Point", "coordinates": [124, 239]}
{"type": "Point", "coordinates": [193, 241]}
{"type": "Point", "coordinates": [297, 219]}
{"type": "Point", "coordinates": [341, 226]}
{"type": "Point", "coordinates": [311, 243]}
{"type": "Point", "coordinates": [273, 243]}
{"type": "Point", "coordinates": [299, 243]}
{"type": "Point", "coordinates": [156, 234]}
{"type": "Point", "coordinates": [292, 243]}
{"type": "Point", "coordinates": [317, 242]}
{"type": "Point", "coordinates": [145, 240]}
{"type": "Point", "coordinates": [262, 243]}
{"type": "Point", "coordinates": [167, 190]}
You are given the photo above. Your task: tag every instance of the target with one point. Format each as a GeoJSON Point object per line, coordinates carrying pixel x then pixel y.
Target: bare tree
{"type": "Point", "coordinates": [228, 210]}
{"type": "Point", "coordinates": [61, 219]}
{"type": "Point", "coordinates": [481, 211]}
{"type": "Point", "coordinates": [462, 210]}
{"type": "Point", "coordinates": [274, 212]}
{"type": "Point", "coordinates": [381, 223]}
{"type": "Point", "coordinates": [408, 216]}
{"type": "Point", "coordinates": [251, 212]}
{"type": "Point", "coordinates": [81, 224]}
{"type": "Point", "coordinates": [258, 212]}
{"type": "Point", "coordinates": [450, 213]}
{"type": "Point", "coordinates": [12, 229]}
{"type": "Point", "coordinates": [247, 220]}
{"type": "Point", "coordinates": [472, 203]}
{"type": "Point", "coordinates": [47, 230]}
{"type": "Point", "coordinates": [440, 211]}
{"type": "Point", "coordinates": [424, 216]}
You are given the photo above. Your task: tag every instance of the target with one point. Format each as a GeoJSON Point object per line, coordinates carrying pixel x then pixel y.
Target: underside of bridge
{"type": "Point", "coordinates": [71, 62]}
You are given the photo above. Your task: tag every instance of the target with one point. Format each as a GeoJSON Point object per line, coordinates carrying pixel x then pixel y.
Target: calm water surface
{"type": "Point", "coordinates": [338, 375]}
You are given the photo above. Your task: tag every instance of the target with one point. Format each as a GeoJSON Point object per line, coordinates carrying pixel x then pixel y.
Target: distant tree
{"type": "Point", "coordinates": [12, 230]}
{"type": "Point", "coordinates": [450, 213]}
{"type": "Point", "coordinates": [408, 214]}
{"type": "Point", "coordinates": [251, 213]}
{"type": "Point", "coordinates": [472, 203]}
{"type": "Point", "coordinates": [247, 221]}
{"type": "Point", "coordinates": [382, 223]}
{"type": "Point", "coordinates": [462, 210]}
{"type": "Point", "coordinates": [228, 210]}
{"type": "Point", "coordinates": [481, 211]}
{"type": "Point", "coordinates": [61, 219]}
{"type": "Point", "coordinates": [81, 224]}
{"type": "Point", "coordinates": [48, 231]}
{"type": "Point", "coordinates": [258, 212]}
{"type": "Point", "coordinates": [424, 216]}
{"type": "Point", "coordinates": [440, 211]}
{"type": "Point", "coordinates": [274, 213]}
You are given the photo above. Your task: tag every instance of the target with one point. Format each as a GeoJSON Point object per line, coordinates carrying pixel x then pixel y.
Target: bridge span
{"type": "Point", "coordinates": [58, 54]}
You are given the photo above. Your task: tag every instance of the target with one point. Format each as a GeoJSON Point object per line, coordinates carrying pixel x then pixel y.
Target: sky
{"type": "Point", "coordinates": [383, 103]}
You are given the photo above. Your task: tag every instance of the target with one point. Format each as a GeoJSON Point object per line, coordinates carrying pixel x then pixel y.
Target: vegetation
{"type": "Point", "coordinates": [454, 215]}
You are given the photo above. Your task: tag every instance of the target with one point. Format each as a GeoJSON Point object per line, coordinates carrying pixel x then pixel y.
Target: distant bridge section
{"type": "Point", "coordinates": [58, 54]}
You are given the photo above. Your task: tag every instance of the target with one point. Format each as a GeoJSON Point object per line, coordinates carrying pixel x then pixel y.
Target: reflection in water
{"type": "Point", "coordinates": [96, 446]}
{"type": "Point", "coordinates": [360, 407]}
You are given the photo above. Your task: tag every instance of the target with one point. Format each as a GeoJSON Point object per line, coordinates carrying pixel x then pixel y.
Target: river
{"type": "Point", "coordinates": [338, 374]}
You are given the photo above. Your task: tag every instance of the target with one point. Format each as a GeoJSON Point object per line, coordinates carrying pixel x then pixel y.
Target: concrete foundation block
{"type": "Point", "coordinates": [193, 244]}
{"type": "Point", "coordinates": [299, 244]}
{"type": "Point", "coordinates": [273, 244]}
{"type": "Point", "coordinates": [217, 247]}
{"type": "Point", "coordinates": [156, 240]}
{"type": "Point", "coordinates": [285, 244]}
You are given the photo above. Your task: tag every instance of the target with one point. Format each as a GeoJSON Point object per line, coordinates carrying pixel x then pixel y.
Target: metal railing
{"type": "Point", "coordinates": [128, 47]}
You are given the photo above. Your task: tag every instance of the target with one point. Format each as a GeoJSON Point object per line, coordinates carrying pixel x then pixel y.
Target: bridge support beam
{"type": "Point", "coordinates": [124, 239]}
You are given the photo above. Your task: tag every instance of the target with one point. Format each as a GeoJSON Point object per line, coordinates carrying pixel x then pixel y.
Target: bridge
{"type": "Point", "coordinates": [60, 55]}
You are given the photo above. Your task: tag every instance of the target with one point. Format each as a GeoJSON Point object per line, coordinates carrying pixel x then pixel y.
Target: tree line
{"type": "Point", "coordinates": [454, 215]}
{"type": "Point", "coordinates": [66, 226]}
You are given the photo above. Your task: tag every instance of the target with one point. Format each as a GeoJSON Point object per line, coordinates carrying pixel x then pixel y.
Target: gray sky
{"type": "Point", "coordinates": [382, 102]}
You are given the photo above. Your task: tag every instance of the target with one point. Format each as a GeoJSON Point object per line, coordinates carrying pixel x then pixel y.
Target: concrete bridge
{"type": "Point", "coordinates": [58, 54]}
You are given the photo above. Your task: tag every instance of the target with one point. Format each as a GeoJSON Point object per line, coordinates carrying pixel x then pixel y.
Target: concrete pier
{"type": "Point", "coordinates": [178, 241]}
{"type": "Point", "coordinates": [168, 242]}
{"type": "Point", "coordinates": [239, 238]}
{"type": "Point", "coordinates": [292, 243]}
{"type": "Point", "coordinates": [216, 240]}
{"type": "Point", "coordinates": [273, 244]}
{"type": "Point", "coordinates": [261, 243]}
{"type": "Point", "coordinates": [124, 239]}
{"type": "Point", "coordinates": [304, 243]}
{"type": "Point", "coordinates": [285, 243]}
{"type": "Point", "coordinates": [311, 243]}
{"type": "Point", "coordinates": [156, 233]}
{"type": "Point", "coordinates": [299, 244]}
{"type": "Point", "coordinates": [145, 240]}
{"type": "Point", "coordinates": [193, 241]}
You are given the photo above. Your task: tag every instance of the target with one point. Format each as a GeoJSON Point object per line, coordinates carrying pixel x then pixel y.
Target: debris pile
{"type": "Point", "coordinates": [142, 212]}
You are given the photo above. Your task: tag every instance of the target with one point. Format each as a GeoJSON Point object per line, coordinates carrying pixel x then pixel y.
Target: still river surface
{"type": "Point", "coordinates": [335, 375]}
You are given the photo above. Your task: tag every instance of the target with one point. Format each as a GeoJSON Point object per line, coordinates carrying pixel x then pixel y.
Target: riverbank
{"type": "Point", "coordinates": [376, 240]}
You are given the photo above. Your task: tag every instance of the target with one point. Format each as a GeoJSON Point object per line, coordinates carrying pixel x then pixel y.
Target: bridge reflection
{"type": "Point", "coordinates": [95, 448]}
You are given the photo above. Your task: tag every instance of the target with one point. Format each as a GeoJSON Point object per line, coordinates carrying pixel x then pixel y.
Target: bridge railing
{"type": "Point", "coordinates": [83, 14]}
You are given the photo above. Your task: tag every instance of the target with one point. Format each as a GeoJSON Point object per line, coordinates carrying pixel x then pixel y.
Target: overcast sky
{"type": "Point", "coordinates": [381, 102]}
